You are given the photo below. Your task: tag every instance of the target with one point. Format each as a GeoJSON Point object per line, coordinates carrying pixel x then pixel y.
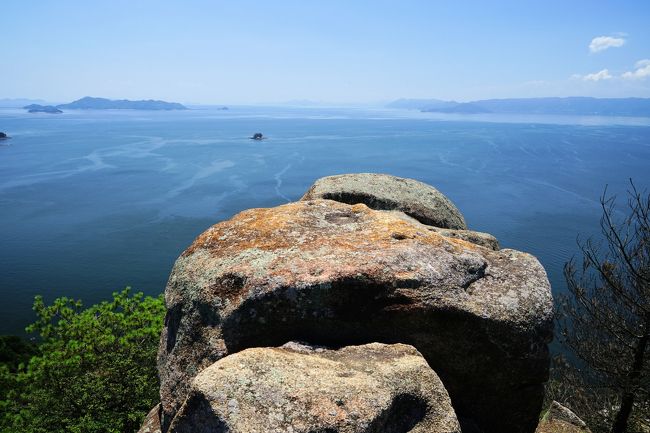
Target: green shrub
{"type": "Point", "coordinates": [94, 369]}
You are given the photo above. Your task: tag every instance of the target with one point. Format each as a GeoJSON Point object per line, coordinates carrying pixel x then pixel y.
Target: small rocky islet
{"type": "Point", "coordinates": [366, 306]}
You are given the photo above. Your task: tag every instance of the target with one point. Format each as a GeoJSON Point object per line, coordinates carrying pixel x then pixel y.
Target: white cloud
{"type": "Point", "coordinates": [642, 70]}
{"type": "Point", "coordinates": [596, 76]}
{"type": "Point", "coordinates": [601, 43]}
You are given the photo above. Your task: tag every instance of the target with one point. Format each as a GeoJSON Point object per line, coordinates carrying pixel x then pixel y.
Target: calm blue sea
{"type": "Point", "coordinates": [92, 201]}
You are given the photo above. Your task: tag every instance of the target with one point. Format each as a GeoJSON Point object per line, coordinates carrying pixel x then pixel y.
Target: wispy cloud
{"type": "Point", "coordinates": [642, 70]}
{"type": "Point", "coordinates": [596, 76]}
{"type": "Point", "coordinates": [602, 43]}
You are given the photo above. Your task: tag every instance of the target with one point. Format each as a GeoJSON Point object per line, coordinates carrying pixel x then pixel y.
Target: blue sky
{"type": "Point", "coordinates": [338, 51]}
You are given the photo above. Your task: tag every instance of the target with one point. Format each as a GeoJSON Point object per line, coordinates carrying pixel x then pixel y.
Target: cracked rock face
{"type": "Point", "coordinates": [384, 192]}
{"type": "Point", "coordinates": [374, 388]}
{"type": "Point", "coordinates": [336, 274]}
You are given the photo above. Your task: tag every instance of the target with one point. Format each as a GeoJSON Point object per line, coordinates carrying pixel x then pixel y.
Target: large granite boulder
{"type": "Point", "coordinates": [375, 388]}
{"type": "Point", "coordinates": [336, 274]}
{"type": "Point", "coordinates": [384, 192]}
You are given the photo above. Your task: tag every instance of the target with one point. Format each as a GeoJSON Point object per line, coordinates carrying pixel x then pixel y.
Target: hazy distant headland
{"type": "Point", "coordinates": [585, 106]}
{"type": "Point", "coordinates": [19, 102]}
{"type": "Point", "coordinates": [578, 105]}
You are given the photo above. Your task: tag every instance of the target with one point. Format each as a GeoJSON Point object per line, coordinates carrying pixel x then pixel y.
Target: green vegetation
{"type": "Point", "coordinates": [93, 369]}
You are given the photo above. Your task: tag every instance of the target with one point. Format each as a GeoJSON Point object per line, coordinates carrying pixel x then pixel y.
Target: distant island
{"type": "Point", "coordinates": [584, 106]}
{"type": "Point", "coordinates": [90, 103]}
{"type": "Point", "coordinates": [37, 108]}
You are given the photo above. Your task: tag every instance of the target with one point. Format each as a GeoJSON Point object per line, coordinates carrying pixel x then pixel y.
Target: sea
{"type": "Point", "coordinates": [94, 201]}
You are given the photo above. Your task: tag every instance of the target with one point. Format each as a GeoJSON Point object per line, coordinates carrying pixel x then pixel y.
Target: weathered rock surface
{"type": "Point", "coordinates": [556, 426]}
{"type": "Point", "coordinates": [560, 419]}
{"type": "Point", "coordinates": [559, 412]}
{"type": "Point", "coordinates": [152, 421]}
{"type": "Point", "coordinates": [384, 192]}
{"type": "Point", "coordinates": [479, 238]}
{"type": "Point", "coordinates": [374, 388]}
{"type": "Point", "coordinates": [336, 274]}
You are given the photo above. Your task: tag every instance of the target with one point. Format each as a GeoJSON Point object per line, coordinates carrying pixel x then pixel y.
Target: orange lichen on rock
{"type": "Point", "coordinates": [305, 225]}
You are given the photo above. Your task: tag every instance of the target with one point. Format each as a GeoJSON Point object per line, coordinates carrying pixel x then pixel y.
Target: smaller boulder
{"type": "Point", "coordinates": [300, 388]}
{"type": "Point", "coordinates": [3, 136]}
{"type": "Point", "coordinates": [384, 192]}
{"type": "Point", "coordinates": [257, 136]}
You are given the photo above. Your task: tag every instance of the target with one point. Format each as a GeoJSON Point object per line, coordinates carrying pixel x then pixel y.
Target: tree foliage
{"type": "Point", "coordinates": [94, 368]}
{"type": "Point", "coordinates": [605, 319]}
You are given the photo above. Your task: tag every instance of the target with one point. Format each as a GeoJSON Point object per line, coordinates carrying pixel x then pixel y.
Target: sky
{"type": "Point", "coordinates": [343, 51]}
